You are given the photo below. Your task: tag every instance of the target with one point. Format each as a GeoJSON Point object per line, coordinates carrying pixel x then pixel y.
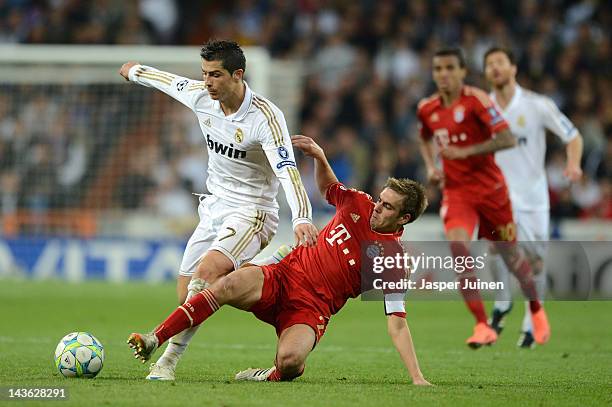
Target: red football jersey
{"type": "Point", "coordinates": [332, 268]}
{"type": "Point", "coordinates": [471, 119]}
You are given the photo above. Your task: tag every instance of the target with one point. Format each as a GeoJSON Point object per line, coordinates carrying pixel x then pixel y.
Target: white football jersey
{"type": "Point", "coordinates": [249, 151]}
{"type": "Point", "coordinates": [529, 114]}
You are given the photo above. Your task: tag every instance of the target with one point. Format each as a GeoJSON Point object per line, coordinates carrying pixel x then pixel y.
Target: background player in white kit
{"type": "Point", "coordinates": [529, 115]}
{"type": "Point", "coordinates": [249, 153]}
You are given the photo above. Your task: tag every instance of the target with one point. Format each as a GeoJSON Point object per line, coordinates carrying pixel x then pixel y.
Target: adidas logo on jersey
{"type": "Point", "coordinates": [355, 217]}
{"type": "Point", "coordinates": [220, 148]}
{"type": "Point", "coordinates": [207, 122]}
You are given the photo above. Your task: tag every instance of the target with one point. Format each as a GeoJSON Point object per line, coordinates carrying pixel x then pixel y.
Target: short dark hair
{"type": "Point", "coordinates": [415, 199]}
{"type": "Point", "coordinates": [503, 50]}
{"type": "Point", "coordinates": [228, 52]}
{"type": "Point", "coordinates": [452, 51]}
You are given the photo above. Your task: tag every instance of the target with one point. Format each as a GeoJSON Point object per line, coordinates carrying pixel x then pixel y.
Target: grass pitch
{"type": "Point", "coordinates": [355, 364]}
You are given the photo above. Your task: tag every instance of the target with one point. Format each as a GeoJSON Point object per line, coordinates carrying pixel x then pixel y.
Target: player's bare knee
{"type": "Point", "coordinates": [211, 269]}
{"type": "Point", "coordinates": [537, 266]}
{"type": "Point", "coordinates": [459, 248]}
{"type": "Point", "coordinates": [206, 271]}
{"type": "Point", "coordinates": [227, 287]}
{"type": "Point", "coordinates": [289, 363]}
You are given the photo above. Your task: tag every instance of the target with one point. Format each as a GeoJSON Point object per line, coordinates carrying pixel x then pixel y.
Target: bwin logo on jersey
{"type": "Point", "coordinates": [220, 148]}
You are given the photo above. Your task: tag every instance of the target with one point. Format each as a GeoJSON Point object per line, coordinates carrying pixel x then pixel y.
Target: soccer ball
{"type": "Point", "coordinates": [79, 354]}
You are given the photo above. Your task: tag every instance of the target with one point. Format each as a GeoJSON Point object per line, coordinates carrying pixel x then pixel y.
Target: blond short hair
{"type": "Point", "coordinates": [415, 200]}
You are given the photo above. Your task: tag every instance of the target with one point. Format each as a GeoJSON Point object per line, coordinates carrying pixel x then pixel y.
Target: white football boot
{"type": "Point", "coordinates": [255, 375]}
{"type": "Point", "coordinates": [160, 372]}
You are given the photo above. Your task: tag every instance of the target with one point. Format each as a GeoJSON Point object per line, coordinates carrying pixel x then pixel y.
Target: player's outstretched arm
{"type": "Point", "coordinates": [324, 174]}
{"type": "Point", "coordinates": [400, 335]}
{"type": "Point", "coordinates": [180, 88]}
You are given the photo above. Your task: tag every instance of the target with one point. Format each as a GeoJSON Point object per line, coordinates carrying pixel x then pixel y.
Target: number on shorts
{"type": "Point", "coordinates": [507, 233]}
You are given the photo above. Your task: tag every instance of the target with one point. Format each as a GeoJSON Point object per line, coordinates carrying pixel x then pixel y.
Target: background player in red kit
{"type": "Point", "coordinates": [299, 295]}
{"type": "Point", "coordinates": [467, 130]}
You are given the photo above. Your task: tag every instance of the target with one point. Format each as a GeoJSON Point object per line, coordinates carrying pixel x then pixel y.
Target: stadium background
{"type": "Point", "coordinates": [96, 177]}
{"type": "Point", "coordinates": [83, 155]}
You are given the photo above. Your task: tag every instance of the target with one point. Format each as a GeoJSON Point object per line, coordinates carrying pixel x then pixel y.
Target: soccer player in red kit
{"type": "Point", "coordinates": [299, 295]}
{"type": "Point", "coordinates": [467, 129]}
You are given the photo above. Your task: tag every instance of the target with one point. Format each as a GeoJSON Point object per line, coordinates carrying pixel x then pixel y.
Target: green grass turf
{"type": "Point", "coordinates": [355, 364]}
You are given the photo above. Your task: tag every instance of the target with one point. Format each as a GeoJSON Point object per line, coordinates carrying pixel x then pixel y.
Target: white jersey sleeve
{"type": "Point", "coordinates": [170, 84]}
{"type": "Point", "coordinates": [276, 144]}
{"type": "Point", "coordinates": [555, 121]}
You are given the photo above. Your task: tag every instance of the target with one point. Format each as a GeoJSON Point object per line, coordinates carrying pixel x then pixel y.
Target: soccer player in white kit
{"type": "Point", "coordinates": [529, 115]}
{"type": "Point", "coordinates": [250, 153]}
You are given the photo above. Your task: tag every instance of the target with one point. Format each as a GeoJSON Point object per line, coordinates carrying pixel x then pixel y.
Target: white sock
{"type": "Point", "coordinates": [527, 325]}
{"type": "Point", "coordinates": [268, 260]}
{"type": "Point", "coordinates": [276, 257]}
{"type": "Point", "coordinates": [178, 343]}
{"type": "Point", "coordinates": [176, 347]}
{"type": "Point", "coordinates": [503, 298]}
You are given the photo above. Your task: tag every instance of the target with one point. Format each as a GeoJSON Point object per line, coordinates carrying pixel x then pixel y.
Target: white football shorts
{"type": "Point", "coordinates": [237, 232]}
{"type": "Point", "coordinates": [532, 231]}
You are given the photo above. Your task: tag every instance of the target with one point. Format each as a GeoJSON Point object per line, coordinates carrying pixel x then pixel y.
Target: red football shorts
{"type": "Point", "coordinates": [490, 211]}
{"type": "Point", "coordinates": [284, 302]}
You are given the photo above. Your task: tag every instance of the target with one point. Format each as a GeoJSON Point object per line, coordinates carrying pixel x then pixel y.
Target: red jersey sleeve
{"type": "Point", "coordinates": [336, 194]}
{"type": "Point", "coordinates": [486, 111]}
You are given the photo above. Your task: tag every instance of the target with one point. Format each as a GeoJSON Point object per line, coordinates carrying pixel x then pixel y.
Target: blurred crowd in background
{"type": "Point", "coordinates": [367, 64]}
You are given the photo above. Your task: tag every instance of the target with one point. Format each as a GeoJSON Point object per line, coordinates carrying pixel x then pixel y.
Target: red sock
{"type": "Point", "coordinates": [534, 306]}
{"type": "Point", "coordinates": [523, 273]}
{"type": "Point", "coordinates": [471, 296]}
{"type": "Point", "coordinates": [192, 313]}
{"type": "Point", "coordinates": [277, 376]}
{"type": "Point", "coordinates": [472, 299]}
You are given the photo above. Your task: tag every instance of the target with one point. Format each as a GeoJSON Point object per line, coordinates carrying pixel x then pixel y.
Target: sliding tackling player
{"type": "Point", "coordinates": [299, 295]}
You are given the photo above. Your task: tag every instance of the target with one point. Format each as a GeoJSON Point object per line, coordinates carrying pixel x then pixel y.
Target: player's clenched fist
{"type": "Point", "coordinates": [125, 69]}
{"type": "Point", "coordinates": [306, 234]}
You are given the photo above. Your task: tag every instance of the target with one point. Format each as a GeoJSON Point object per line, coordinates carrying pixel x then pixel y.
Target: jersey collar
{"type": "Point", "coordinates": [397, 234]}
{"type": "Point", "coordinates": [246, 104]}
{"type": "Point", "coordinates": [518, 92]}
{"type": "Point", "coordinates": [242, 110]}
